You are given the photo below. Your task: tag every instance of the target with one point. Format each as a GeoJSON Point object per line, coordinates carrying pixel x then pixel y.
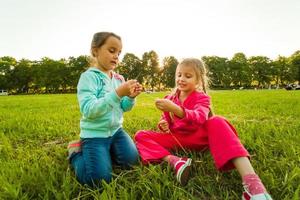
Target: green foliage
{"type": "Point", "coordinates": [282, 70]}
{"type": "Point", "coordinates": [260, 67]}
{"type": "Point", "coordinates": [61, 76]}
{"type": "Point", "coordinates": [240, 70]}
{"type": "Point", "coordinates": [169, 69]}
{"type": "Point", "coordinates": [35, 130]}
{"type": "Point", "coordinates": [6, 66]}
{"type": "Point", "coordinates": [295, 61]}
{"type": "Point", "coordinates": [218, 71]}
{"type": "Point", "coordinates": [150, 63]}
{"type": "Point", "coordinates": [131, 67]}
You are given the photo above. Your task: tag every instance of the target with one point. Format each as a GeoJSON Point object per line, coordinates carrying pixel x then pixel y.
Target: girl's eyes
{"type": "Point", "coordinates": [114, 51]}
{"type": "Point", "coordinates": [187, 76]}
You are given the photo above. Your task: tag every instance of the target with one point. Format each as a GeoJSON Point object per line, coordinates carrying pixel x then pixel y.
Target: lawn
{"type": "Point", "coordinates": [35, 130]}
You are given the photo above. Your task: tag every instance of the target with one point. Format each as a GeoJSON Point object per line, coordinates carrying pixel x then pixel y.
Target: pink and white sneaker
{"type": "Point", "coordinates": [248, 196]}
{"type": "Point", "coordinates": [182, 170]}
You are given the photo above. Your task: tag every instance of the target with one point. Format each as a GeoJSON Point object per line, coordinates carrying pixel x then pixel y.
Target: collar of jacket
{"type": "Point", "coordinates": [114, 74]}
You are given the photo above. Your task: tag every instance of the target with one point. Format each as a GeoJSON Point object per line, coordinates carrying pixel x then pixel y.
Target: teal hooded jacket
{"type": "Point", "coordinates": [100, 106]}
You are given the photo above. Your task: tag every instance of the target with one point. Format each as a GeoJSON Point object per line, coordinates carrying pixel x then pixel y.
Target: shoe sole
{"type": "Point", "coordinates": [185, 173]}
{"type": "Point", "coordinates": [267, 197]}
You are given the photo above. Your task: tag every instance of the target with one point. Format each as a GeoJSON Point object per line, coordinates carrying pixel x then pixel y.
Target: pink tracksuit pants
{"type": "Point", "coordinates": [217, 134]}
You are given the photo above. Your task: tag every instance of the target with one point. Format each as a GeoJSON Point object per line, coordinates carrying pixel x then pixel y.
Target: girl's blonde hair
{"type": "Point", "coordinates": [200, 70]}
{"type": "Point", "coordinates": [201, 75]}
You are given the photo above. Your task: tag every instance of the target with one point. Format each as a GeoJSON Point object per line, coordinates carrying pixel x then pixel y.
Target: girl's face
{"type": "Point", "coordinates": [186, 79]}
{"type": "Point", "coordinates": [108, 54]}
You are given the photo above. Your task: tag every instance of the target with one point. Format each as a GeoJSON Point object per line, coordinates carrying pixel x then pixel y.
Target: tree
{"type": "Point", "coordinates": [240, 70]}
{"type": "Point", "coordinates": [22, 76]}
{"type": "Point", "coordinates": [169, 69]}
{"type": "Point", "coordinates": [37, 76]}
{"type": "Point", "coordinates": [7, 64]}
{"type": "Point", "coordinates": [282, 72]}
{"type": "Point", "coordinates": [150, 62]}
{"type": "Point", "coordinates": [260, 66]}
{"type": "Point", "coordinates": [75, 66]}
{"type": "Point", "coordinates": [52, 76]}
{"type": "Point", "coordinates": [295, 61]}
{"type": "Point", "coordinates": [131, 67]}
{"type": "Point", "coordinates": [219, 71]}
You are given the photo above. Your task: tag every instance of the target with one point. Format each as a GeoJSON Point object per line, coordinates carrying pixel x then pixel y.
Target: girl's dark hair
{"type": "Point", "coordinates": [99, 39]}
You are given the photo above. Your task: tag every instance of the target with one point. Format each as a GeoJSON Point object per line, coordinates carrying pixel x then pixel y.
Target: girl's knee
{"type": "Point", "coordinates": [129, 159]}
{"type": "Point", "coordinates": [133, 160]}
{"type": "Point", "coordinates": [216, 123]}
{"type": "Point", "coordinates": [140, 135]}
{"type": "Point", "coordinates": [215, 119]}
{"type": "Point", "coordinates": [96, 178]}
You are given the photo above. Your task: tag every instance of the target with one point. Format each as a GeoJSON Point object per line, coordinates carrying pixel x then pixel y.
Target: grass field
{"type": "Point", "coordinates": [35, 130]}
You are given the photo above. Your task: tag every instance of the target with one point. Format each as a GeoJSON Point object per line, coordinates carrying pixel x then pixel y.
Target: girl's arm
{"type": "Point", "coordinates": [199, 113]}
{"type": "Point", "coordinates": [90, 105]}
{"type": "Point", "coordinates": [127, 103]}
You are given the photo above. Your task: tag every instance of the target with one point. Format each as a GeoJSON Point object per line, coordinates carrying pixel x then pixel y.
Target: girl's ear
{"type": "Point", "coordinates": [94, 52]}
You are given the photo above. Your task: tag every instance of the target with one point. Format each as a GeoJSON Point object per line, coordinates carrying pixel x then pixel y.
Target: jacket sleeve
{"type": "Point", "coordinates": [90, 105]}
{"type": "Point", "coordinates": [199, 113]}
{"type": "Point", "coordinates": [127, 103]}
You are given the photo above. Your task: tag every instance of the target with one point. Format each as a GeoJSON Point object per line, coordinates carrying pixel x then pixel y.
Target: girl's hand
{"type": "Point", "coordinates": [127, 88]}
{"type": "Point", "coordinates": [165, 105]}
{"type": "Point", "coordinates": [137, 90]}
{"type": "Point", "coordinates": [164, 126]}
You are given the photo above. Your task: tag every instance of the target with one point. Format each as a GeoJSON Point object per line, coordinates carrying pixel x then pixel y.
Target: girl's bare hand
{"type": "Point", "coordinates": [165, 105]}
{"type": "Point", "coordinates": [127, 88]}
{"type": "Point", "coordinates": [137, 90]}
{"type": "Point", "coordinates": [163, 124]}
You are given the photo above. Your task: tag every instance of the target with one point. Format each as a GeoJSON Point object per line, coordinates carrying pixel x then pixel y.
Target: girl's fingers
{"type": "Point", "coordinates": [158, 101]}
{"type": "Point", "coordinates": [166, 130]}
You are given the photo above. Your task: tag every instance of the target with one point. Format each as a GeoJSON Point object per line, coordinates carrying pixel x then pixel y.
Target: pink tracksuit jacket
{"type": "Point", "coordinates": [195, 132]}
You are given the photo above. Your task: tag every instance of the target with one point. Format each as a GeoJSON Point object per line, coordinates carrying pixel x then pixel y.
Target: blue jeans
{"type": "Point", "coordinates": [94, 163]}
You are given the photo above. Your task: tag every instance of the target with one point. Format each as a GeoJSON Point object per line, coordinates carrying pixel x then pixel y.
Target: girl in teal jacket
{"type": "Point", "coordinates": [103, 96]}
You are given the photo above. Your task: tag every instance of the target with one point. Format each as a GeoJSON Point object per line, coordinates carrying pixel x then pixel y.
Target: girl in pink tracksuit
{"type": "Point", "coordinates": [187, 123]}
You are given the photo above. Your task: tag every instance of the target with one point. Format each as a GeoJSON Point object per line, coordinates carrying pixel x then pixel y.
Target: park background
{"type": "Point", "coordinates": [251, 49]}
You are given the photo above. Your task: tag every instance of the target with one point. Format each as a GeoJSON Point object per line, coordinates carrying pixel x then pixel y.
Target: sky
{"type": "Point", "coordinates": [33, 29]}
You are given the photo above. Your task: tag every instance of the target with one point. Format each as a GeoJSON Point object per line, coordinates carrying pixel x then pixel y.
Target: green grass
{"type": "Point", "coordinates": [35, 130]}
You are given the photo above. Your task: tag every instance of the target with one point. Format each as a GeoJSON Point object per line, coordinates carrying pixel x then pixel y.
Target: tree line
{"type": "Point", "coordinates": [61, 76]}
